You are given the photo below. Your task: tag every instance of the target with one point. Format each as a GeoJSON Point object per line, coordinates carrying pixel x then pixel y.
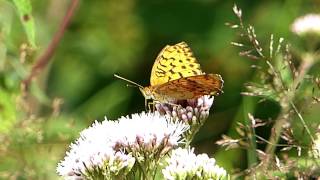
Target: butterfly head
{"type": "Point", "coordinates": [146, 92]}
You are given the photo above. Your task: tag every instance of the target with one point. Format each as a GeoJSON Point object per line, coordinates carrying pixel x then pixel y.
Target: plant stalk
{"type": "Point", "coordinates": [287, 104]}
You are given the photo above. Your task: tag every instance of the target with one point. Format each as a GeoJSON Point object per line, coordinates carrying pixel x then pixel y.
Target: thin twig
{"type": "Point", "coordinates": [278, 145]}
{"type": "Point", "coordinates": [251, 153]}
{"type": "Point", "coordinates": [302, 121]}
{"type": "Point", "coordinates": [45, 58]}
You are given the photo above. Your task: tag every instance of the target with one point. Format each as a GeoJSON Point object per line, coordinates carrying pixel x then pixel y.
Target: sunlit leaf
{"type": "Point", "coordinates": [24, 9]}
{"type": "Point", "coordinates": [7, 111]}
{"type": "Point", "coordinates": [5, 29]}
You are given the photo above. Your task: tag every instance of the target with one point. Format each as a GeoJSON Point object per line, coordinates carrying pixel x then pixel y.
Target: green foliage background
{"type": "Point", "coordinates": [124, 37]}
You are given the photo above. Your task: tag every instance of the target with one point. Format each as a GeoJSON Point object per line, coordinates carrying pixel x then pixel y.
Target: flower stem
{"type": "Point", "coordinates": [252, 149]}
{"type": "Point", "coordinates": [45, 58]}
{"type": "Point", "coordinates": [276, 130]}
{"type": "Point", "coordinates": [287, 104]}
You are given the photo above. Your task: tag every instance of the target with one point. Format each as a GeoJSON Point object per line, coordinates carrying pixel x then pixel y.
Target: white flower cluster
{"type": "Point", "coordinates": [308, 24]}
{"type": "Point", "coordinates": [149, 131]}
{"type": "Point", "coordinates": [316, 145]}
{"type": "Point", "coordinates": [110, 148]}
{"type": "Point", "coordinates": [184, 164]}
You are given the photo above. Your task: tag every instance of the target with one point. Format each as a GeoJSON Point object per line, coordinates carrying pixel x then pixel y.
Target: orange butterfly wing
{"type": "Point", "coordinates": [189, 87]}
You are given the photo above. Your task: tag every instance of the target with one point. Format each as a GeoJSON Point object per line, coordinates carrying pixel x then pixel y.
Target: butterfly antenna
{"type": "Point", "coordinates": [122, 78]}
{"type": "Point", "coordinates": [130, 85]}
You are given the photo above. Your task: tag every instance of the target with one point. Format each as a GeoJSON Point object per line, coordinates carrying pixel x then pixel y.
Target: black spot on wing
{"type": "Point", "coordinates": [171, 64]}
{"type": "Point", "coordinates": [171, 71]}
{"type": "Point", "coordinates": [194, 72]}
{"type": "Point", "coordinates": [160, 63]}
{"type": "Point", "coordinates": [159, 74]}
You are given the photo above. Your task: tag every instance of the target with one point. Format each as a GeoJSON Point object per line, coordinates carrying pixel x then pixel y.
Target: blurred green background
{"type": "Point", "coordinates": [124, 37]}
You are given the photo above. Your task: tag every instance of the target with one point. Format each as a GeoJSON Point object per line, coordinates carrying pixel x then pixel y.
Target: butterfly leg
{"type": "Point", "coordinates": [173, 105]}
{"type": "Point", "coordinates": [148, 105]}
{"type": "Point", "coordinates": [153, 108]}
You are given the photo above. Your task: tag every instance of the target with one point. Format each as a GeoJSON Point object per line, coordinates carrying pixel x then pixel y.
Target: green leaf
{"type": "Point", "coordinates": [284, 69]}
{"type": "Point", "coordinates": [3, 53]}
{"type": "Point", "coordinates": [5, 29]}
{"type": "Point", "coordinates": [24, 9]}
{"type": "Point", "coordinates": [7, 111]}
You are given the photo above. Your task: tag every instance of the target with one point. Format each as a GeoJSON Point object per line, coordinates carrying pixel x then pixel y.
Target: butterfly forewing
{"type": "Point", "coordinates": [174, 62]}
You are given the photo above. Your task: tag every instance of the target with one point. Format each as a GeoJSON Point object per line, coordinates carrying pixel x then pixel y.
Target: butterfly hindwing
{"type": "Point", "coordinates": [191, 87]}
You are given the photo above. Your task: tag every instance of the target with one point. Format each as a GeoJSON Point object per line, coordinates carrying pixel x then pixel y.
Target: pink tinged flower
{"type": "Point", "coordinates": [191, 111]}
{"type": "Point", "coordinates": [113, 147]}
{"type": "Point", "coordinates": [308, 24]}
{"type": "Point", "coordinates": [184, 164]}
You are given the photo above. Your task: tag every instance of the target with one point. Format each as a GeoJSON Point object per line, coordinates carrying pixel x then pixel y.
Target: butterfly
{"type": "Point", "coordinates": [176, 75]}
